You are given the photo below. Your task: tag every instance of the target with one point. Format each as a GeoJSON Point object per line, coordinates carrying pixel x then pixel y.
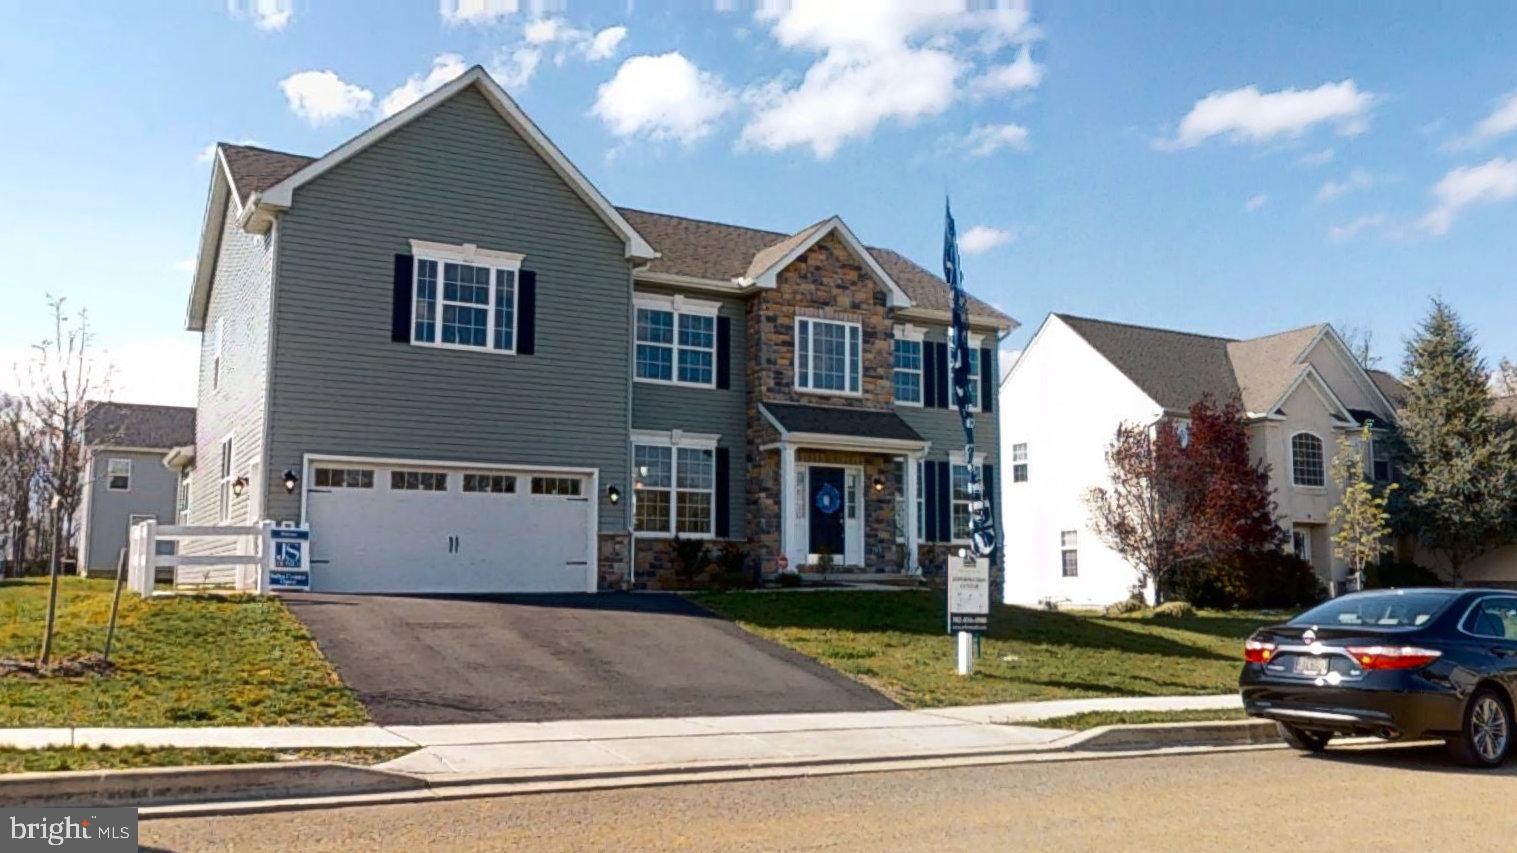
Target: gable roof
{"type": "Point", "coordinates": [1392, 388]}
{"type": "Point", "coordinates": [1265, 367]}
{"type": "Point", "coordinates": [138, 425]}
{"type": "Point", "coordinates": [253, 169]}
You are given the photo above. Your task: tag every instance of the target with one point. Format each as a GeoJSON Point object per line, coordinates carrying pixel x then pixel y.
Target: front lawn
{"type": "Point", "coordinates": [896, 642]}
{"type": "Point", "coordinates": [180, 661]}
{"type": "Point", "coordinates": [1095, 719]}
{"type": "Point", "coordinates": [50, 760]}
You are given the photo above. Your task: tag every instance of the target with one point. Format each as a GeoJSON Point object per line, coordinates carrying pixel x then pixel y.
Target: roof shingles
{"type": "Point", "coordinates": [138, 425]}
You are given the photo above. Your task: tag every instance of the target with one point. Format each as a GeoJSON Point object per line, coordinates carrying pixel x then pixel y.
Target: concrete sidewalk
{"type": "Point", "coordinates": [469, 748]}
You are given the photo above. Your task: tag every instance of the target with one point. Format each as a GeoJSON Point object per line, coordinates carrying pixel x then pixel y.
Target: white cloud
{"type": "Point", "coordinates": [445, 67]}
{"type": "Point", "coordinates": [543, 31]}
{"type": "Point", "coordinates": [1255, 202]}
{"type": "Point", "coordinates": [320, 97]}
{"type": "Point", "coordinates": [477, 11]}
{"type": "Point", "coordinates": [986, 139]}
{"type": "Point", "coordinates": [1501, 121]}
{"type": "Point", "coordinates": [603, 44]}
{"type": "Point", "coordinates": [1316, 158]}
{"type": "Point", "coordinates": [1001, 79]}
{"type": "Point", "coordinates": [514, 69]}
{"type": "Point", "coordinates": [271, 15]}
{"type": "Point", "coordinates": [515, 66]}
{"type": "Point", "coordinates": [1248, 115]}
{"type": "Point", "coordinates": [1492, 181]}
{"type": "Point", "coordinates": [899, 61]}
{"type": "Point", "coordinates": [662, 97]}
{"type": "Point", "coordinates": [982, 238]}
{"type": "Point", "coordinates": [1356, 180]}
{"type": "Point", "coordinates": [1351, 229]}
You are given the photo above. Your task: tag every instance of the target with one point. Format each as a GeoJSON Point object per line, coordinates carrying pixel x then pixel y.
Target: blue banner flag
{"type": "Point", "coordinates": [982, 526]}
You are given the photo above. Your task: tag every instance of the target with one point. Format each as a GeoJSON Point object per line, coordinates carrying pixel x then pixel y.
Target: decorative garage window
{"type": "Point", "coordinates": [908, 372]}
{"type": "Point", "coordinates": [1306, 460]}
{"type": "Point", "coordinates": [568, 486]}
{"type": "Point", "coordinates": [827, 356]}
{"type": "Point", "coordinates": [1069, 552]}
{"type": "Point", "coordinates": [465, 297]}
{"type": "Point", "coordinates": [961, 501]}
{"type": "Point", "coordinates": [676, 341]}
{"type": "Point", "coordinates": [1019, 463]}
{"type": "Point", "coordinates": [675, 487]}
{"type": "Point", "coordinates": [492, 484]}
{"type": "Point", "coordinates": [118, 475]}
{"type": "Point", "coordinates": [418, 481]}
{"type": "Point", "coordinates": [344, 478]}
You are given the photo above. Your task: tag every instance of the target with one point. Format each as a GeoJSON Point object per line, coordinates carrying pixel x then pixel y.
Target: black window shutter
{"type": "Point", "coordinates": [400, 311]}
{"type": "Point", "coordinates": [723, 354]}
{"type": "Point", "coordinates": [945, 379]}
{"type": "Point", "coordinates": [929, 487]}
{"type": "Point", "coordinates": [945, 502]}
{"type": "Point", "coordinates": [988, 486]}
{"type": "Point", "coordinates": [526, 313]}
{"type": "Point", "coordinates": [723, 512]}
{"type": "Point", "coordinates": [987, 380]}
{"type": "Point", "coordinates": [929, 376]}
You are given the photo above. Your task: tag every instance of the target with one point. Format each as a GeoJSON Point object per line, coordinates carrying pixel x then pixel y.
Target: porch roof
{"type": "Point", "coordinates": [796, 418]}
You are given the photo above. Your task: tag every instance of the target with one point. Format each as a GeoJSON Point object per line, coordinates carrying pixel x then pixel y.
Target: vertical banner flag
{"type": "Point", "coordinates": [982, 530]}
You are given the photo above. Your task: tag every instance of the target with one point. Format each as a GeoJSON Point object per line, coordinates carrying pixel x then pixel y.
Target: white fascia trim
{"type": "Point", "coordinates": [180, 458]}
{"type": "Point", "coordinates": [281, 195]}
{"type": "Point", "coordinates": [690, 282]}
{"type": "Point", "coordinates": [1318, 385]}
{"type": "Point", "coordinates": [938, 315]}
{"type": "Point", "coordinates": [676, 438]}
{"type": "Point", "coordinates": [828, 441]}
{"type": "Point", "coordinates": [468, 253]}
{"type": "Point", "coordinates": [218, 197]}
{"type": "Point", "coordinates": [768, 278]}
{"type": "Point", "coordinates": [678, 303]}
{"type": "Point", "coordinates": [1347, 357]}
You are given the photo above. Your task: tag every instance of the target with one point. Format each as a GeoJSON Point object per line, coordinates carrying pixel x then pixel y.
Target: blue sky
{"type": "Point", "coordinates": [1232, 169]}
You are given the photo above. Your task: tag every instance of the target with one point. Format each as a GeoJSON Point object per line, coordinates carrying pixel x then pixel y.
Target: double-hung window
{"type": "Point", "coordinates": [908, 371]}
{"type": "Point", "coordinates": [1380, 459]}
{"type": "Point", "coordinates": [224, 504]}
{"type": "Point", "coordinates": [963, 514]}
{"type": "Point", "coordinates": [465, 297]}
{"type": "Point", "coordinates": [827, 356]}
{"type": "Point", "coordinates": [118, 475]}
{"type": "Point", "coordinates": [675, 489]}
{"type": "Point", "coordinates": [1069, 553]}
{"type": "Point", "coordinates": [1019, 463]}
{"type": "Point", "coordinates": [676, 341]}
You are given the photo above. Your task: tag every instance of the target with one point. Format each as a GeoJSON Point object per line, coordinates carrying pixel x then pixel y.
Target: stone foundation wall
{"type": "Point", "coordinates": [614, 561]}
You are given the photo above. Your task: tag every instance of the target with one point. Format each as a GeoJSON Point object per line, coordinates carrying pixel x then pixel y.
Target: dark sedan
{"type": "Point", "coordinates": [1396, 664]}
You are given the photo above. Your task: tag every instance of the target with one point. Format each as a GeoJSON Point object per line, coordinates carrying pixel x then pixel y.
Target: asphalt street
{"type": "Point", "coordinates": [1380, 799]}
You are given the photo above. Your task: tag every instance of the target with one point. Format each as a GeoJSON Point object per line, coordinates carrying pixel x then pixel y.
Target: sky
{"type": "Point", "coordinates": [1231, 169]}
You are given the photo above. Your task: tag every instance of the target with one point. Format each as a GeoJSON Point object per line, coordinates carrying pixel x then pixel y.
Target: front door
{"type": "Point", "coordinates": [826, 502]}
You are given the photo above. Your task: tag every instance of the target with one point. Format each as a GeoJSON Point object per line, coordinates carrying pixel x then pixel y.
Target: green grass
{"type": "Point", "coordinates": [181, 661]}
{"type": "Point", "coordinates": [1092, 719]}
{"type": "Point", "coordinates": [47, 760]}
{"type": "Point", "coordinates": [896, 643]}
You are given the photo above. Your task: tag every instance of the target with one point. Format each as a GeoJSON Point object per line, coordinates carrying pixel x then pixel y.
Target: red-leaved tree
{"type": "Point", "coordinates": [1229, 493]}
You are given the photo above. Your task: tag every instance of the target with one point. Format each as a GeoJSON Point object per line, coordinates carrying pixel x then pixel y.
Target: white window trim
{"type": "Point", "coordinates": [956, 460]}
{"type": "Point", "coordinates": [916, 335]}
{"type": "Point", "coordinates": [111, 475]}
{"type": "Point", "coordinates": [227, 474]}
{"type": "Point", "coordinates": [218, 332]}
{"type": "Point", "coordinates": [186, 482]}
{"type": "Point", "coordinates": [1291, 445]}
{"type": "Point", "coordinates": [471, 255]}
{"type": "Point", "coordinates": [1066, 549]}
{"type": "Point", "coordinates": [851, 327]}
{"type": "Point", "coordinates": [677, 304]}
{"type": "Point", "coordinates": [676, 440]}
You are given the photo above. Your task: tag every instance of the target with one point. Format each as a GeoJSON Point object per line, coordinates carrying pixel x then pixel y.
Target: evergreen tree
{"type": "Point", "coordinates": [1458, 456]}
{"type": "Point", "coordinates": [1360, 521]}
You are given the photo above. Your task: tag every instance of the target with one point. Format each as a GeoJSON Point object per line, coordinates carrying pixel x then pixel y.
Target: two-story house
{"type": "Point", "coordinates": [125, 480]}
{"type": "Point", "coordinates": [445, 351]}
{"type": "Point", "coordinates": [1078, 379]}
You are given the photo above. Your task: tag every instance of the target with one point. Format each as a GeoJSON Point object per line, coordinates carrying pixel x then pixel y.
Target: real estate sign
{"type": "Point", "coordinates": [968, 593]}
{"type": "Point", "coordinates": [292, 555]}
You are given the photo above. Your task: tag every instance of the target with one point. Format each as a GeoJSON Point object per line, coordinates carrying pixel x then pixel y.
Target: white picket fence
{"type": "Point", "coordinates": [244, 568]}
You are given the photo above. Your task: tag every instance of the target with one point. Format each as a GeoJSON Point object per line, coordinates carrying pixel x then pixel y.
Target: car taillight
{"type": "Point", "coordinates": [1258, 651]}
{"type": "Point", "coordinates": [1393, 657]}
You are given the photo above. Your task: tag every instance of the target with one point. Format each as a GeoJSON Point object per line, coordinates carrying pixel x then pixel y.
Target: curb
{"type": "Point", "coordinates": [166, 785]}
{"type": "Point", "coordinates": [1165, 735]}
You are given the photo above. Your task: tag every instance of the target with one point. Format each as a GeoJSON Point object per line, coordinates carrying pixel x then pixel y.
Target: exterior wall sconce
{"type": "Point", "coordinates": [878, 485]}
{"type": "Point", "coordinates": [239, 486]}
{"type": "Point", "coordinates": [614, 495]}
{"type": "Point", "coordinates": [291, 480]}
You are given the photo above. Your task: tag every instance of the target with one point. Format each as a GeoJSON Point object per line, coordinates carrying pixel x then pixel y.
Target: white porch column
{"type": "Point", "coordinates": [913, 548]}
{"type": "Point", "coordinates": [788, 536]}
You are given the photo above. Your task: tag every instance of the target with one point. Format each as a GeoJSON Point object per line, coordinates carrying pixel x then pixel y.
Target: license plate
{"type": "Point", "coordinates": [1311, 666]}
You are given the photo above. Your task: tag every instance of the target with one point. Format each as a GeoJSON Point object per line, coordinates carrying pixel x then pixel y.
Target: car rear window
{"type": "Point", "coordinates": [1377, 610]}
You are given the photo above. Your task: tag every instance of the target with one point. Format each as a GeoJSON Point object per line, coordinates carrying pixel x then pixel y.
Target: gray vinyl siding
{"type": "Point", "coordinates": [340, 384]}
{"type": "Point", "coordinates": [235, 406]}
{"type": "Point", "coordinates": [107, 512]}
{"type": "Point", "coordinates": [707, 410]}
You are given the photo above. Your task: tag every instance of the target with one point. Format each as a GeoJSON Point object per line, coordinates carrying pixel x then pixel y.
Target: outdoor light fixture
{"type": "Point", "coordinates": [878, 484]}
{"type": "Point", "coordinates": [290, 481]}
{"type": "Point", "coordinates": [239, 486]}
{"type": "Point", "coordinates": [614, 495]}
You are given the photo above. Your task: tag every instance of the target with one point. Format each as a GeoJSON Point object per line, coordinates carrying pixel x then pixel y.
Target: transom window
{"type": "Point", "coordinates": [1307, 467]}
{"type": "Point", "coordinates": [676, 345]}
{"type": "Point", "coordinates": [1019, 463]}
{"type": "Point", "coordinates": [962, 513]}
{"type": "Point", "coordinates": [1069, 553]}
{"type": "Point", "coordinates": [827, 356]}
{"type": "Point", "coordinates": [908, 371]}
{"type": "Point", "coordinates": [418, 481]}
{"type": "Point", "coordinates": [494, 484]}
{"type": "Point", "coordinates": [675, 489]}
{"type": "Point", "coordinates": [464, 303]}
{"type": "Point", "coordinates": [344, 478]}
{"type": "Point", "coordinates": [567, 486]}
{"type": "Point", "coordinates": [118, 475]}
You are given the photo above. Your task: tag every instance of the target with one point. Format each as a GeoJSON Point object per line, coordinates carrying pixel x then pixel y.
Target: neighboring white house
{"type": "Point", "coordinates": [1079, 379]}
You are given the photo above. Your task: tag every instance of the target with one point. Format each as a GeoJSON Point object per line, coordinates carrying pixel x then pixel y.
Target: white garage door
{"type": "Point", "coordinates": [395, 528]}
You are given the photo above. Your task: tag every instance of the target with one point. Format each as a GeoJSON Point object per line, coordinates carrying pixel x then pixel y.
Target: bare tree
{"type": "Point", "coordinates": [1143, 514]}
{"type": "Point", "coordinates": [1361, 342]}
{"type": "Point", "coordinates": [1504, 380]}
{"type": "Point", "coordinates": [62, 382]}
{"type": "Point", "coordinates": [20, 463]}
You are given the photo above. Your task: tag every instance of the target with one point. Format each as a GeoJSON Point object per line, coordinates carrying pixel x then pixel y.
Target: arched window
{"type": "Point", "coordinates": [1306, 460]}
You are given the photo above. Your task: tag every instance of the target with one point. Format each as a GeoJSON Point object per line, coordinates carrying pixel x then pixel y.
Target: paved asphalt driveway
{"type": "Point", "coordinates": [425, 659]}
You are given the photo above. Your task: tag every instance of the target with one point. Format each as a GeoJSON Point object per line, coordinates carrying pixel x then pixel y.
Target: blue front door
{"type": "Point", "coordinates": [826, 501]}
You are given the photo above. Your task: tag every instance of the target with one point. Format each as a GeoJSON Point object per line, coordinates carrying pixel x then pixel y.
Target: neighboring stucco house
{"type": "Point", "coordinates": [443, 349]}
{"type": "Point", "coordinates": [125, 478]}
{"type": "Point", "coordinates": [1080, 378]}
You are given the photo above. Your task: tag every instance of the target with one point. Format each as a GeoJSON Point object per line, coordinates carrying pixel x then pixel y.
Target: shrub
{"type": "Point", "coordinates": [1124, 607]}
{"type": "Point", "coordinates": [731, 568]}
{"type": "Point", "coordinates": [1400, 574]}
{"type": "Point", "coordinates": [1174, 610]}
{"type": "Point", "coordinates": [1252, 580]}
{"type": "Point", "coordinates": [789, 580]}
{"type": "Point", "coordinates": [690, 558]}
